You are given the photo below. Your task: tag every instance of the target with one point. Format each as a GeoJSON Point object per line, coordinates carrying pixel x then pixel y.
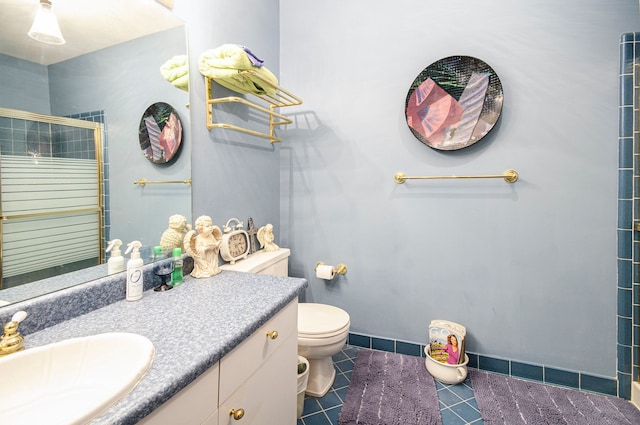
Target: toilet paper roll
{"type": "Point", "coordinates": [325, 272]}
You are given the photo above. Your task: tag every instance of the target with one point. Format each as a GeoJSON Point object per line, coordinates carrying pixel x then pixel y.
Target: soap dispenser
{"type": "Point", "coordinates": [135, 275]}
{"type": "Point", "coordinates": [116, 260]}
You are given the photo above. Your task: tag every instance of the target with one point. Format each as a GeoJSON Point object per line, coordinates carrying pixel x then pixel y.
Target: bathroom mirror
{"type": "Point", "coordinates": [104, 66]}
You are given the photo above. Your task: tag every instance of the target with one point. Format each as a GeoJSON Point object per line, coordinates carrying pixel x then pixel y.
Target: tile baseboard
{"type": "Point", "coordinates": [539, 373]}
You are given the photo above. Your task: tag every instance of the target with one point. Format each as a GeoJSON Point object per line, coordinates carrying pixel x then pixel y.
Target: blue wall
{"type": "Point", "coordinates": [530, 267]}
{"type": "Point", "coordinates": [234, 175]}
{"type": "Point", "coordinates": [25, 85]}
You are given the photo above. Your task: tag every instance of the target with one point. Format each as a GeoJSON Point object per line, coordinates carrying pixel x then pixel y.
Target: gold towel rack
{"type": "Point", "coordinates": [280, 99]}
{"type": "Point", "coordinates": [143, 182]}
{"type": "Point", "coordinates": [510, 176]}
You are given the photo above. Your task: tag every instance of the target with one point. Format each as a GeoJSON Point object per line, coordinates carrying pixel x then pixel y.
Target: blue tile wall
{"type": "Point", "coordinates": [628, 201]}
{"type": "Point", "coordinates": [540, 373]}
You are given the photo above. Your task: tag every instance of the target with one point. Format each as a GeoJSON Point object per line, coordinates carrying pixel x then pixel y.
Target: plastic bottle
{"type": "Point", "coordinates": [176, 275]}
{"type": "Point", "coordinates": [116, 260]}
{"type": "Point", "coordinates": [135, 275]}
{"type": "Point", "coordinates": [157, 253]}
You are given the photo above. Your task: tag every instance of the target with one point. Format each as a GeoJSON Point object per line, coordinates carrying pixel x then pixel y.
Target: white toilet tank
{"type": "Point", "coordinates": [272, 263]}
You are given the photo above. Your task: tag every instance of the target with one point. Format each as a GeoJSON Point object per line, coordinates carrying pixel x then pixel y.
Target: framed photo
{"type": "Point", "coordinates": [160, 133]}
{"type": "Point", "coordinates": [453, 103]}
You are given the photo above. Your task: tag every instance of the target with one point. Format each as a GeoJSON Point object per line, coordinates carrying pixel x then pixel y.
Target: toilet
{"type": "Point", "coordinates": [322, 332]}
{"type": "Point", "coordinates": [322, 329]}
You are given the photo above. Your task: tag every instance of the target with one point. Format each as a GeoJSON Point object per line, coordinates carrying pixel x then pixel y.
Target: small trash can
{"type": "Point", "coordinates": [303, 378]}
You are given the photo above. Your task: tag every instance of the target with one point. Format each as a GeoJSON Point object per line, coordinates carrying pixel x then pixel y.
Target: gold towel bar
{"type": "Point", "coordinates": [142, 182]}
{"type": "Point", "coordinates": [510, 176]}
{"type": "Point", "coordinates": [280, 99]}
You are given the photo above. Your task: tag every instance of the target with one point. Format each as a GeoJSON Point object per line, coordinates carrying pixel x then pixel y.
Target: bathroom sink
{"type": "Point", "coordinates": [72, 381]}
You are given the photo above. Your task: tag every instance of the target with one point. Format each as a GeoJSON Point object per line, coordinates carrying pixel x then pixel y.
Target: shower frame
{"type": "Point", "coordinates": [98, 131]}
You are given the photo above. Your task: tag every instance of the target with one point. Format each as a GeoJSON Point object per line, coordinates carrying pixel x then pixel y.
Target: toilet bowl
{"type": "Point", "coordinates": [322, 332]}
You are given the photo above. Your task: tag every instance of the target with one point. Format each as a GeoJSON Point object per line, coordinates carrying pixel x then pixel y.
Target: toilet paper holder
{"type": "Point", "coordinates": [339, 269]}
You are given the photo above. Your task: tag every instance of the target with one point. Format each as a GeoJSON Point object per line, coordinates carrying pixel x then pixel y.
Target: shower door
{"type": "Point", "coordinates": [51, 196]}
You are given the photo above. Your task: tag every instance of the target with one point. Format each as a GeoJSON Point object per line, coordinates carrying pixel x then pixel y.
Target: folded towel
{"type": "Point", "coordinates": [224, 65]}
{"type": "Point", "coordinates": [176, 71]}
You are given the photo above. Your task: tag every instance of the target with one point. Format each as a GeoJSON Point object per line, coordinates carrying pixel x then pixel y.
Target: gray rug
{"type": "Point", "coordinates": [510, 401]}
{"type": "Point", "coordinates": [390, 389]}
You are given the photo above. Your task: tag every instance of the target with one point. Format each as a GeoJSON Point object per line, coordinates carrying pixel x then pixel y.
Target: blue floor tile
{"type": "Point", "coordinates": [451, 418]}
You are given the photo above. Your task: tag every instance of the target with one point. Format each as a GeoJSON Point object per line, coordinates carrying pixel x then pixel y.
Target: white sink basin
{"type": "Point", "coordinates": [73, 381]}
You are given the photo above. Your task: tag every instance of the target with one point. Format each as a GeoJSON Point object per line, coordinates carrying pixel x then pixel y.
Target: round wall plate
{"type": "Point", "coordinates": [160, 133]}
{"type": "Point", "coordinates": [453, 103]}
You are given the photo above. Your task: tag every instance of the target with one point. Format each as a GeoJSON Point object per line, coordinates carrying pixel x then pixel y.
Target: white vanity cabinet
{"type": "Point", "coordinates": [257, 380]}
{"type": "Point", "coordinates": [260, 377]}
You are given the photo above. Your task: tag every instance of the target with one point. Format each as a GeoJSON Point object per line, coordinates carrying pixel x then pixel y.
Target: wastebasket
{"type": "Point", "coordinates": [303, 378]}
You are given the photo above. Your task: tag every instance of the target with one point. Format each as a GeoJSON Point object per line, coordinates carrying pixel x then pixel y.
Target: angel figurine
{"type": "Point", "coordinates": [204, 247]}
{"type": "Point", "coordinates": [265, 237]}
{"type": "Point", "coordinates": [174, 235]}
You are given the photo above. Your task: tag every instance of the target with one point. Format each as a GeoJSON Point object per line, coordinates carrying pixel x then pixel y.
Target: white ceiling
{"type": "Point", "coordinates": [86, 25]}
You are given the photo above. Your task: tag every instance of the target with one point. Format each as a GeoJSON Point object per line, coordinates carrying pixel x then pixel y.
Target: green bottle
{"type": "Point", "coordinates": [157, 253]}
{"type": "Point", "coordinates": [176, 274]}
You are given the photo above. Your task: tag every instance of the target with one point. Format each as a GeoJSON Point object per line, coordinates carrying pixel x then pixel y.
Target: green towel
{"type": "Point", "coordinates": [176, 71]}
{"type": "Point", "coordinates": [224, 65]}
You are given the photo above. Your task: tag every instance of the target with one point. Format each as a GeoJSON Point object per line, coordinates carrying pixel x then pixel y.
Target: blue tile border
{"type": "Point", "coordinates": [495, 365]}
{"type": "Point", "coordinates": [562, 377]}
{"type": "Point", "coordinates": [539, 373]}
{"type": "Point", "coordinates": [597, 384]}
{"type": "Point", "coordinates": [359, 340]}
{"type": "Point", "coordinates": [527, 371]}
{"type": "Point", "coordinates": [408, 348]}
{"type": "Point", "coordinates": [383, 344]}
{"type": "Point", "coordinates": [628, 247]}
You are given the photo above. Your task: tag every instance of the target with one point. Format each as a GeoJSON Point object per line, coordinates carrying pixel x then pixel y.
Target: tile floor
{"type": "Point", "coordinates": [457, 403]}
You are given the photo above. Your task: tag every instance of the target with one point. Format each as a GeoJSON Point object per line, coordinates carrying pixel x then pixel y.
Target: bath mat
{"type": "Point", "coordinates": [505, 400]}
{"type": "Point", "coordinates": [390, 389]}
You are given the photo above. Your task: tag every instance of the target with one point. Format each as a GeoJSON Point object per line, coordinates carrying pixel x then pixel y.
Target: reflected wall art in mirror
{"type": "Point", "coordinates": [453, 103]}
{"type": "Point", "coordinates": [160, 133]}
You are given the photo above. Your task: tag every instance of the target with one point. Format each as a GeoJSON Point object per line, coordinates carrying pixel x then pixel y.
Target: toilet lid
{"type": "Point", "coordinates": [319, 319]}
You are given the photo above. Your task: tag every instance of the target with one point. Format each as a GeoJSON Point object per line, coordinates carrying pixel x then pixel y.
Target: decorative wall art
{"type": "Point", "coordinates": [160, 133]}
{"type": "Point", "coordinates": [454, 102]}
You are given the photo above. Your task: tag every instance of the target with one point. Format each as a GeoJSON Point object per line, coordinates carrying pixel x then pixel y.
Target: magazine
{"type": "Point", "coordinates": [446, 341]}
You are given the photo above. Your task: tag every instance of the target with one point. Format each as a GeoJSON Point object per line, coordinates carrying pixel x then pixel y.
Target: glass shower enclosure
{"type": "Point", "coordinates": [51, 199]}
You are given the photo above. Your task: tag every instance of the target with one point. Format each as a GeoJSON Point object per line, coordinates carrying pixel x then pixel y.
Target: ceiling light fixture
{"type": "Point", "coordinates": [45, 25]}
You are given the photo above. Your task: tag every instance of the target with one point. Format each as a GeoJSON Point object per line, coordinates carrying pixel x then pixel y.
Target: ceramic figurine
{"type": "Point", "coordinates": [204, 247]}
{"type": "Point", "coordinates": [174, 235]}
{"type": "Point", "coordinates": [265, 237]}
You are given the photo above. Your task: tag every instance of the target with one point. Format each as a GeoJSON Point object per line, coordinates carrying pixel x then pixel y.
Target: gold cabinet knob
{"type": "Point", "coordinates": [236, 413]}
{"type": "Point", "coordinates": [272, 334]}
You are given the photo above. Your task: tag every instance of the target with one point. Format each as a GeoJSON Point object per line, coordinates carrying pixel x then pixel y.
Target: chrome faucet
{"type": "Point", "coordinates": [12, 341]}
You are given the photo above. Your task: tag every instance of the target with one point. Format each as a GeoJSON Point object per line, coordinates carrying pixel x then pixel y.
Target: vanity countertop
{"type": "Point", "coordinates": [191, 326]}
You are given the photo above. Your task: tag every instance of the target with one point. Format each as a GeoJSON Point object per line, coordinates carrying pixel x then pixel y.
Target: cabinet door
{"type": "Point", "coordinates": [238, 365]}
{"type": "Point", "coordinates": [193, 405]}
{"type": "Point", "coordinates": [269, 396]}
